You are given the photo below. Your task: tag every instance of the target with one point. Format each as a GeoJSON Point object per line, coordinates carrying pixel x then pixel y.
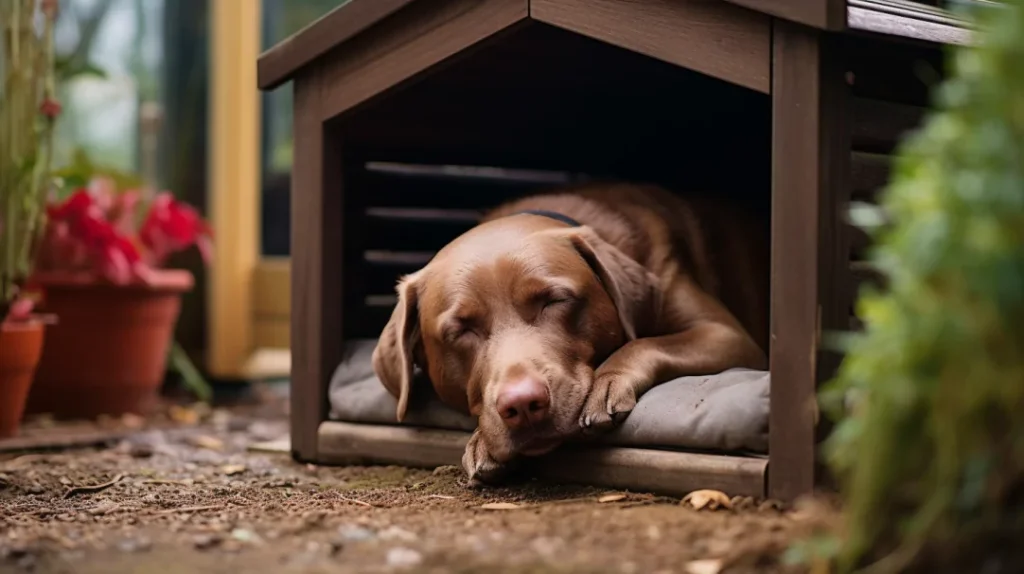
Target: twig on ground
{"type": "Point", "coordinates": [93, 487]}
{"type": "Point", "coordinates": [355, 501]}
{"type": "Point", "coordinates": [184, 482]}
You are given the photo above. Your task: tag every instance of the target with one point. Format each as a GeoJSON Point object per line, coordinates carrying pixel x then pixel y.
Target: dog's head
{"type": "Point", "coordinates": [509, 321]}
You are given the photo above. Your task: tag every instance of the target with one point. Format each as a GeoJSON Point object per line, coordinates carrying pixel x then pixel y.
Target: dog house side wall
{"type": "Point", "coordinates": [841, 105]}
{"type": "Point", "coordinates": [316, 277]}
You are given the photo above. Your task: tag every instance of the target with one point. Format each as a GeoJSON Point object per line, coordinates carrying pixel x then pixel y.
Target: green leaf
{"type": "Point", "coordinates": [190, 375]}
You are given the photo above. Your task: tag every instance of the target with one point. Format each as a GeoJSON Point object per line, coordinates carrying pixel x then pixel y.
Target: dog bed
{"type": "Point", "coordinates": [724, 412]}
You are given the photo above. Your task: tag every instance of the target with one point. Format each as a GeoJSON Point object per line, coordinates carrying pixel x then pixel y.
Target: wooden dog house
{"type": "Point", "coordinates": [790, 106]}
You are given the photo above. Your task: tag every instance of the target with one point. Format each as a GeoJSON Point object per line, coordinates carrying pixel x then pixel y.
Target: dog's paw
{"type": "Point", "coordinates": [611, 399]}
{"type": "Point", "coordinates": [480, 466]}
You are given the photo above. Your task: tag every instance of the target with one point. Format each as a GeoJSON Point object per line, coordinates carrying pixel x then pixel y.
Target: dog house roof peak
{"type": "Point", "coordinates": [915, 20]}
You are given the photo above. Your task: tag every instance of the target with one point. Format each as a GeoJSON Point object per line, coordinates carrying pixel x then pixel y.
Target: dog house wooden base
{"type": "Point", "coordinates": [788, 106]}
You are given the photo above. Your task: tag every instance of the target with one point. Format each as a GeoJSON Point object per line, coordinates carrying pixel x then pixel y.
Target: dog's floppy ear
{"type": "Point", "coordinates": [633, 289]}
{"type": "Point", "coordinates": [393, 357]}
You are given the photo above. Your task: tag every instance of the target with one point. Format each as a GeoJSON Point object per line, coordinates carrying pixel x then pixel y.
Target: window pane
{"type": "Point", "coordinates": [110, 54]}
{"type": "Point", "coordinates": [281, 18]}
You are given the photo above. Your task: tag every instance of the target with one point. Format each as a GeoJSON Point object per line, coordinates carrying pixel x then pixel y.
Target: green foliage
{"type": "Point", "coordinates": [932, 449]}
{"type": "Point", "coordinates": [81, 169]}
{"type": "Point", "coordinates": [28, 111]}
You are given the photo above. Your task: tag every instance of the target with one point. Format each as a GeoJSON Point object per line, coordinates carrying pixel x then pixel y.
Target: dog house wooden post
{"type": "Point", "coordinates": [809, 188]}
{"type": "Point", "coordinates": [405, 81]}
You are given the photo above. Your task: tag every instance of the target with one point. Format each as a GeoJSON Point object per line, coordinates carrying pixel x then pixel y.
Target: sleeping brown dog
{"type": "Point", "coordinates": [558, 311]}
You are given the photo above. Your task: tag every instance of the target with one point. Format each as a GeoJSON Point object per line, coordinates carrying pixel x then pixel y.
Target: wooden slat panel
{"type": "Point", "coordinates": [824, 14]}
{"type": "Point", "coordinates": [904, 20]}
{"type": "Point", "coordinates": [869, 173]}
{"type": "Point", "coordinates": [420, 229]}
{"type": "Point", "coordinates": [638, 469]}
{"type": "Point", "coordinates": [708, 36]}
{"type": "Point", "coordinates": [441, 193]}
{"type": "Point", "coordinates": [895, 72]}
{"type": "Point", "coordinates": [864, 273]}
{"type": "Point", "coordinates": [859, 241]}
{"type": "Point", "coordinates": [878, 126]}
{"type": "Point", "coordinates": [381, 279]}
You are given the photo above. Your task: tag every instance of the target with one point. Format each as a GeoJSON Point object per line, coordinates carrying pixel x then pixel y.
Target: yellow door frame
{"type": "Point", "coordinates": [247, 322]}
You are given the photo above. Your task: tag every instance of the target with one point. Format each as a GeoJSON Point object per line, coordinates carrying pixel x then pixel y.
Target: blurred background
{"type": "Point", "coordinates": [167, 88]}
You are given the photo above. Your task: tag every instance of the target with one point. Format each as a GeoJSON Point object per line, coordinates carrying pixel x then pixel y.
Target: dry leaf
{"type": "Point", "coordinates": [132, 421]}
{"type": "Point", "coordinates": [208, 442]}
{"type": "Point", "coordinates": [611, 498]}
{"type": "Point", "coordinates": [710, 499]}
{"type": "Point", "coordinates": [232, 469]}
{"type": "Point", "coordinates": [500, 506]}
{"type": "Point", "coordinates": [183, 415]}
{"type": "Point", "coordinates": [710, 566]}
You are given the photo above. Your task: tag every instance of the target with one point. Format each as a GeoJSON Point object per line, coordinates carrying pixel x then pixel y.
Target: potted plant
{"type": "Point", "coordinates": [27, 114]}
{"type": "Point", "coordinates": [100, 269]}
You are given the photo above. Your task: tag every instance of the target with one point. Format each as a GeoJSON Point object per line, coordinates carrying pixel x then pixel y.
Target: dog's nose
{"type": "Point", "coordinates": [523, 402]}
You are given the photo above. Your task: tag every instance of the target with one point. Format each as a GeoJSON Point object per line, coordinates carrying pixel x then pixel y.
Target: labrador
{"type": "Point", "coordinates": [550, 318]}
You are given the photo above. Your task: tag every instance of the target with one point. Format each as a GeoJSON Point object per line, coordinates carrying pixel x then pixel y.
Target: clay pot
{"type": "Point", "coordinates": [107, 353]}
{"type": "Point", "coordinates": [21, 344]}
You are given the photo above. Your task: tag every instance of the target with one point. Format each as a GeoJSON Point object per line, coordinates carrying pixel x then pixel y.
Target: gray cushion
{"type": "Point", "coordinates": [723, 412]}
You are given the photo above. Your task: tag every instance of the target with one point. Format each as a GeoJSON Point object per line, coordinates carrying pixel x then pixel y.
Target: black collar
{"type": "Point", "coordinates": [552, 215]}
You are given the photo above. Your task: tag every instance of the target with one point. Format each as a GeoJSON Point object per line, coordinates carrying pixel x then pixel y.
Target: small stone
{"type": "Point", "coordinates": [403, 557]}
{"type": "Point", "coordinates": [396, 533]}
{"type": "Point", "coordinates": [237, 424]}
{"type": "Point", "coordinates": [546, 546]}
{"type": "Point", "coordinates": [355, 533]}
{"type": "Point", "coordinates": [138, 449]}
{"type": "Point", "coordinates": [131, 545]}
{"type": "Point", "coordinates": [35, 489]}
{"type": "Point", "coordinates": [245, 536]}
{"type": "Point", "coordinates": [205, 541]}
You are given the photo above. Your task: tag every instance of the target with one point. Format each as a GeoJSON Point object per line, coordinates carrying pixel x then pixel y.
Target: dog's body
{"type": "Point", "coordinates": [542, 328]}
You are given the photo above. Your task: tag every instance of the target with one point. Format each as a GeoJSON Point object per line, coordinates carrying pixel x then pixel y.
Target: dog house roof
{"type": "Point", "coordinates": [727, 39]}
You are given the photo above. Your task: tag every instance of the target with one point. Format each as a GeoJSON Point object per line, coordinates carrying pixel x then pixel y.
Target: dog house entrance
{"type": "Point", "coordinates": [537, 108]}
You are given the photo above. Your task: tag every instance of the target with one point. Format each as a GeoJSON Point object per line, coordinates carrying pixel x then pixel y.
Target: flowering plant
{"type": "Point", "coordinates": [118, 236]}
{"type": "Point", "coordinates": [28, 111]}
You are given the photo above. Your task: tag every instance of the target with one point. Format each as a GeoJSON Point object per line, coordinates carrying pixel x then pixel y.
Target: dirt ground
{"type": "Point", "coordinates": [190, 495]}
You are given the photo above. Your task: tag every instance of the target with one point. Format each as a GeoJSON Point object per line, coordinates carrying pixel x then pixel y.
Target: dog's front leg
{"type": "Point", "coordinates": [704, 347]}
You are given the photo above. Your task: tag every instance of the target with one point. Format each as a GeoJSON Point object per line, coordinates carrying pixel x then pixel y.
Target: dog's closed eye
{"type": "Point", "coordinates": [461, 330]}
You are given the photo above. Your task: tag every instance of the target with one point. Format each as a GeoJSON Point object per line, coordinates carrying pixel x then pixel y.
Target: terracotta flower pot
{"type": "Point", "coordinates": [21, 344]}
{"type": "Point", "coordinates": [107, 353]}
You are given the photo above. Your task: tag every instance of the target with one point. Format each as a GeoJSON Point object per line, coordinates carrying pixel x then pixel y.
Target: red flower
{"type": "Point", "coordinates": [172, 226]}
{"type": "Point", "coordinates": [79, 232]}
{"type": "Point", "coordinates": [96, 231]}
{"type": "Point", "coordinates": [50, 108]}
